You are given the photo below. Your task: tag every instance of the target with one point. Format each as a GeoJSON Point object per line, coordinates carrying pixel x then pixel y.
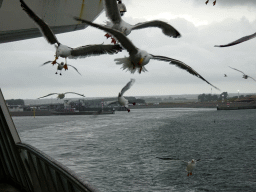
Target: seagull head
{"type": "Point", "coordinates": [144, 58]}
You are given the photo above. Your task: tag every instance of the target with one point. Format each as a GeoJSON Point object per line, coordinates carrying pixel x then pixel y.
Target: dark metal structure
{"type": "Point", "coordinates": [25, 168]}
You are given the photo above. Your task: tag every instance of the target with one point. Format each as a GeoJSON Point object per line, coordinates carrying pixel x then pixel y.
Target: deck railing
{"type": "Point", "coordinates": [27, 168]}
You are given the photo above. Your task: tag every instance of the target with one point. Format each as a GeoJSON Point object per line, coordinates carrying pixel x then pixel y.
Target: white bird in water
{"type": "Point", "coordinates": [117, 23]}
{"type": "Point", "coordinates": [244, 75]}
{"type": "Point", "coordinates": [139, 58]}
{"type": "Point", "coordinates": [190, 166]}
{"type": "Point", "coordinates": [63, 50]}
{"type": "Point", "coordinates": [61, 66]}
{"type": "Point", "coordinates": [61, 95]}
{"type": "Point", "coordinates": [241, 40]}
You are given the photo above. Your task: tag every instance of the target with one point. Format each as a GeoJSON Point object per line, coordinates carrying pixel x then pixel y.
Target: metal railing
{"type": "Point", "coordinates": [29, 169]}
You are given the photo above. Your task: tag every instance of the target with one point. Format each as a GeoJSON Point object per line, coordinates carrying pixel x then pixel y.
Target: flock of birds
{"type": "Point", "coordinates": [118, 30]}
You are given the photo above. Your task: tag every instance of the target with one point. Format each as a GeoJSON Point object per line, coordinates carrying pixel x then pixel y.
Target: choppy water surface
{"type": "Point", "coordinates": [119, 152]}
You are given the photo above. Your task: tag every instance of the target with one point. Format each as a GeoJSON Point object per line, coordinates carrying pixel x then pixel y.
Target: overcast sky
{"type": "Point", "coordinates": [201, 26]}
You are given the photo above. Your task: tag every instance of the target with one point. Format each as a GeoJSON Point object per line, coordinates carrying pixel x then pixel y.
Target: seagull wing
{"type": "Point", "coordinates": [252, 78]}
{"type": "Point", "coordinates": [112, 11]}
{"type": "Point", "coordinates": [43, 27]}
{"type": "Point", "coordinates": [237, 70]}
{"type": "Point", "coordinates": [127, 86]}
{"type": "Point", "coordinates": [75, 93]}
{"type": "Point", "coordinates": [74, 68]}
{"type": "Point", "coordinates": [90, 50]}
{"type": "Point", "coordinates": [47, 95]}
{"type": "Point", "coordinates": [125, 42]}
{"type": "Point", "coordinates": [241, 40]}
{"type": "Point", "coordinates": [166, 28]}
{"type": "Point", "coordinates": [47, 62]}
{"type": "Point", "coordinates": [182, 66]}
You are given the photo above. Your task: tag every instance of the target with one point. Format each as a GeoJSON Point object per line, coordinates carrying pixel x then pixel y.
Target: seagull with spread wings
{"type": "Point", "coordinates": [61, 95]}
{"type": "Point", "coordinates": [61, 66]}
{"type": "Point", "coordinates": [139, 58]}
{"type": "Point", "coordinates": [121, 100]}
{"type": "Point", "coordinates": [117, 23]}
{"type": "Point", "coordinates": [241, 40]}
{"type": "Point", "coordinates": [63, 50]}
{"type": "Point", "coordinates": [244, 75]}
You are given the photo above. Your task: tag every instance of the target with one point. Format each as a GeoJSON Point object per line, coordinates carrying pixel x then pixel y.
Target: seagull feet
{"type": "Point", "coordinates": [54, 62]}
{"type": "Point", "coordinates": [60, 74]}
{"type": "Point", "coordinates": [214, 3]}
{"type": "Point", "coordinates": [128, 110]}
{"type": "Point", "coordinates": [107, 35]}
{"type": "Point", "coordinates": [140, 70]}
{"type": "Point", "coordinates": [113, 40]}
{"type": "Point", "coordinates": [65, 67]}
{"type": "Point", "coordinates": [206, 2]}
{"type": "Point", "coordinates": [56, 73]}
{"type": "Point", "coordinates": [190, 173]}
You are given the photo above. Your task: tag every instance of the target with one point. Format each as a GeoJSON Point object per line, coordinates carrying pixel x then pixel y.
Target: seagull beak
{"type": "Point", "coordinates": [141, 60]}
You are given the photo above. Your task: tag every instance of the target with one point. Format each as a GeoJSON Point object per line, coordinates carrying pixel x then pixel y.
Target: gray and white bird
{"type": "Point", "coordinates": [63, 50]}
{"type": "Point", "coordinates": [241, 40]}
{"type": "Point", "coordinates": [61, 66]}
{"type": "Point", "coordinates": [121, 100]}
{"type": "Point", "coordinates": [139, 58]}
{"type": "Point", "coordinates": [61, 95]}
{"type": "Point", "coordinates": [190, 166]}
{"type": "Point", "coordinates": [117, 23]}
{"type": "Point", "coordinates": [244, 75]}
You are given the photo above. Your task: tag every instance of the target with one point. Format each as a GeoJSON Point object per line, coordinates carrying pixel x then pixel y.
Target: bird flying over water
{"type": "Point", "coordinates": [241, 40]}
{"type": "Point", "coordinates": [63, 50]}
{"type": "Point", "coordinates": [61, 95]}
{"type": "Point", "coordinates": [139, 58]}
{"type": "Point", "coordinates": [190, 166]}
{"type": "Point", "coordinates": [244, 75]}
{"type": "Point", "coordinates": [61, 66]}
{"type": "Point", "coordinates": [117, 23]}
{"type": "Point", "coordinates": [121, 100]}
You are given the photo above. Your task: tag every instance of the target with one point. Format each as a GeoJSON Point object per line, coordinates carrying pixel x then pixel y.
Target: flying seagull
{"type": "Point", "coordinates": [244, 75]}
{"type": "Point", "coordinates": [117, 23]}
{"type": "Point", "coordinates": [225, 75]}
{"type": "Point", "coordinates": [241, 40]}
{"type": "Point", "coordinates": [61, 95]}
{"type": "Point", "coordinates": [139, 58]}
{"type": "Point", "coordinates": [190, 166]}
{"type": "Point", "coordinates": [61, 66]}
{"type": "Point", "coordinates": [121, 100]}
{"type": "Point", "coordinates": [63, 50]}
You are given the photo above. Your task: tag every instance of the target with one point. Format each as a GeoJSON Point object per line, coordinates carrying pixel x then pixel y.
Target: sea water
{"type": "Point", "coordinates": [121, 152]}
